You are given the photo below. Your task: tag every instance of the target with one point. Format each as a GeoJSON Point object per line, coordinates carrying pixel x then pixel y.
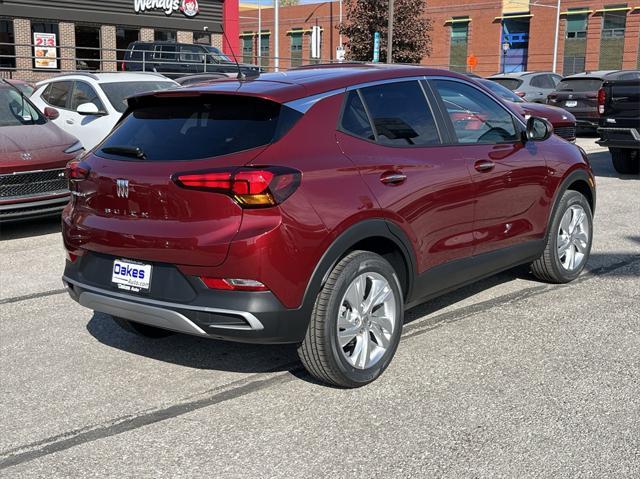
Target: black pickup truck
{"type": "Point", "coordinates": [619, 124]}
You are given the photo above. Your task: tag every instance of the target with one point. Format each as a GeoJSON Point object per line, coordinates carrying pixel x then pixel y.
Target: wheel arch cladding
{"type": "Point", "coordinates": [375, 235]}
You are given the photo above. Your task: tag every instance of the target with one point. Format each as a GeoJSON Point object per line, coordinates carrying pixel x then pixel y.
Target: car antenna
{"type": "Point", "coordinates": [241, 76]}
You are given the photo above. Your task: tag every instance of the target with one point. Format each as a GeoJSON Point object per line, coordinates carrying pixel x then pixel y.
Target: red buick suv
{"type": "Point", "coordinates": [315, 206]}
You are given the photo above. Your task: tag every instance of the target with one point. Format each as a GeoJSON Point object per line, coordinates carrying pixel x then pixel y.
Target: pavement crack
{"type": "Point", "coordinates": [113, 428]}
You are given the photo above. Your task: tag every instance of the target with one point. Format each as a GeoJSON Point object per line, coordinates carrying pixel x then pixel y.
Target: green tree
{"type": "Point", "coordinates": [289, 3]}
{"type": "Point", "coordinates": [411, 30]}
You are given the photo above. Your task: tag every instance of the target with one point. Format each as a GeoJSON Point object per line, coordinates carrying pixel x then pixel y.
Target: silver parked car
{"type": "Point", "coordinates": [531, 86]}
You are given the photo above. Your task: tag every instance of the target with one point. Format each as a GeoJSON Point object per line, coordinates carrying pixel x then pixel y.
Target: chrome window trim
{"type": "Point", "coordinates": [254, 322]}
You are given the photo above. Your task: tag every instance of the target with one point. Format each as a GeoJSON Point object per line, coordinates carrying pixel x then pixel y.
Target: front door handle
{"type": "Point", "coordinates": [484, 165]}
{"type": "Point", "coordinates": [393, 177]}
{"type": "Point", "coordinates": [70, 122]}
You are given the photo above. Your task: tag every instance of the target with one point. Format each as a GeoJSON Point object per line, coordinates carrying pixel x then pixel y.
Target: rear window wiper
{"type": "Point", "coordinates": [131, 151]}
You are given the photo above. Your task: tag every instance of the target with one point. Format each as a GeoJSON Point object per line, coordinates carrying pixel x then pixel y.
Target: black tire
{"type": "Point", "coordinates": [140, 329]}
{"type": "Point", "coordinates": [548, 267]}
{"type": "Point", "coordinates": [320, 351]}
{"type": "Point", "coordinates": [625, 161]}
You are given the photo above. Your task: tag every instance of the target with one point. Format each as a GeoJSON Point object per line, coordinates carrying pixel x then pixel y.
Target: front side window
{"type": "Point", "coordinates": [475, 117]}
{"type": "Point", "coordinates": [400, 114]}
{"type": "Point", "coordinates": [84, 93]}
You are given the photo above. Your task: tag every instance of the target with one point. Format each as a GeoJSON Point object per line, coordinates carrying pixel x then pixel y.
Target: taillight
{"type": "Point", "coordinates": [553, 98]}
{"type": "Point", "coordinates": [250, 187]}
{"type": "Point", "coordinates": [77, 170]}
{"type": "Point", "coordinates": [602, 97]}
{"type": "Point", "coordinates": [233, 284]}
{"type": "Point", "coordinates": [124, 66]}
{"type": "Point", "coordinates": [521, 94]}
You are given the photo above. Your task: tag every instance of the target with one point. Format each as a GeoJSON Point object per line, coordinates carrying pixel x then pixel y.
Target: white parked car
{"type": "Point", "coordinates": [90, 104]}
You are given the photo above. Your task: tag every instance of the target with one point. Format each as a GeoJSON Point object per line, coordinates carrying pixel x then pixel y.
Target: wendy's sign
{"type": "Point", "coordinates": [189, 8]}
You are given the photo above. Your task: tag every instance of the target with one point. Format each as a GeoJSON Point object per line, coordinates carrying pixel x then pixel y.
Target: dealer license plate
{"type": "Point", "coordinates": [571, 103]}
{"type": "Point", "coordinates": [131, 276]}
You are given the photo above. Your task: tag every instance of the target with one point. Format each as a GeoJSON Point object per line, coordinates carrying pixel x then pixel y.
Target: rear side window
{"type": "Point", "coordinates": [476, 117]}
{"type": "Point", "coordinates": [400, 114]}
{"type": "Point", "coordinates": [189, 129]}
{"type": "Point", "coordinates": [355, 119]}
{"type": "Point", "coordinates": [57, 93]}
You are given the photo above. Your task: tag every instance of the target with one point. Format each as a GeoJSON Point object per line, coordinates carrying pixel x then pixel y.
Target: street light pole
{"type": "Point", "coordinates": [259, 33]}
{"type": "Point", "coordinates": [340, 18]}
{"type": "Point", "coordinates": [390, 34]}
{"type": "Point", "coordinates": [555, 41]}
{"type": "Point", "coordinates": [276, 28]}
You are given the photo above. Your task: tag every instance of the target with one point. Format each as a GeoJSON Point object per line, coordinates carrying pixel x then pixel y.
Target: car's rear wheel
{"type": "Point", "coordinates": [568, 240]}
{"type": "Point", "coordinates": [356, 322]}
{"type": "Point", "coordinates": [625, 161]}
{"type": "Point", "coordinates": [141, 329]}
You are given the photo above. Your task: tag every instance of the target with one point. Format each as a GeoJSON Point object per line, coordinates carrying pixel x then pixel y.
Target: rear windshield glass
{"type": "Point", "coordinates": [580, 84]}
{"type": "Point", "coordinates": [118, 92]}
{"type": "Point", "coordinates": [510, 83]}
{"type": "Point", "coordinates": [190, 129]}
{"type": "Point", "coordinates": [16, 110]}
{"type": "Point", "coordinates": [501, 91]}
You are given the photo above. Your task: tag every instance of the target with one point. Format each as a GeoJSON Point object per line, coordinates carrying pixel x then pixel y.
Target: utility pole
{"type": "Point", "coordinates": [276, 40]}
{"type": "Point", "coordinates": [390, 34]}
{"type": "Point", "coordinates": [340, 21]}
{"type": "Point", "coordinates": [259, 33]}
{"type": "Point", "coordinates": [555, 41]}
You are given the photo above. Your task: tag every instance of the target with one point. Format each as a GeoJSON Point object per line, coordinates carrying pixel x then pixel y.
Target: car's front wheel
{"type": "Point", "coordinates": [356, 322]}
{"type": "Point", "coordinates": [568, 240]}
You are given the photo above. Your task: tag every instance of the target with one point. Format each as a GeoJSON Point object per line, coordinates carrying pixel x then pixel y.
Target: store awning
{"type": "Point", "coordinates": [576, 12]}
{"type": "Point", "coordinates": [617, 9]}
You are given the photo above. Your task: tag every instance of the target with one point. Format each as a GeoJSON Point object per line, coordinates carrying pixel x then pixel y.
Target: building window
{"type": "Point", "coordinates": [202, 38]}
{"type": "Point", "coordinates": [87, 47]}
{"type": "Point", "coordinates": [264, 49]}
{"type": "Point", "coordinates": [296, 47]}
{"type": "Point", "coordinates": [459, 43]}
{"type": "Point", "coordinates": [165, 36]}
{"type": "Point", "coordinates": [124, 38]}
{"type": "Point", "coordinates": [575, 45]}
{"type": "Point", "coordinates": [48, 58]}
{"type": "Point", "coordinates": [247, 47]}
{"type": "Point", "coordinates": [515, 32]}
{"type": "Point", "coordinates": [7, 47]}
{"type": "Point", "coordinates": [612, 38]}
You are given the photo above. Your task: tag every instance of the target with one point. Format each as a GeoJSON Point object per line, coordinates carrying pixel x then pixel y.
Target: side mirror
{"type": "Point", "coordinates": [51, 113]}
{"type": "Point", "coordinates": [89, 109]}
{"type": "Point", "coordinates": [538, 129]}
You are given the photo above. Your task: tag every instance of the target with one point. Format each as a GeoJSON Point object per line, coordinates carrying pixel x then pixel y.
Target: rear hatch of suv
{"type": "Point", "coordinates": [128, 198]}
{"type": "Point", "coordinates": [579, 96]}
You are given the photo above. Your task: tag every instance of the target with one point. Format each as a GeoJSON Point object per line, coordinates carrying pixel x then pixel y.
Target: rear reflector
{"type": "Point", "coordinates": [602, 97]}
{"type": "Point", "coordinates": [233, 284]}
{"type": "Point", "coordinates": [249, 187]}
{"type": "Point", "coordinates": [77, 170]}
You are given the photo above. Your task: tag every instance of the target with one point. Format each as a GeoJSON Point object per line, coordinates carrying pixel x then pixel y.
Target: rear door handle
{"type": "Point", "coordinates": [70, 122]}
{"type": "Point", "coordinates": [484, 165]}
{"type": "Point", "coordinates": [393, 178]}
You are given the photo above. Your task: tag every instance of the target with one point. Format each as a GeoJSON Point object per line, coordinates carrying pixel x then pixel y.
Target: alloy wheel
{"type": "Point", "coordinates": [573, 238]}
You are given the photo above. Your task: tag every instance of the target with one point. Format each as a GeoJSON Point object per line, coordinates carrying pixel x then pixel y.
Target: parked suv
{"type": "Point", "coordinates": [33, 156]}
{"type": "Point", "coordinates": [89, 104]}
{"type": "Point", "coordinates": [314, 206]}
{"type": "Point", "coordinates": [578, 94]}
{"type": "Point", "coordinates": [619, 109]}
{"type": "Point", "coordinates": [530, 86]}
{"type": "Point", "coordinates": [175, 60]}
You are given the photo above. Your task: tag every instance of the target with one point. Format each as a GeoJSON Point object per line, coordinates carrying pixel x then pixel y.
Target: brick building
{"type": "Point", "coordinates": [593, 34]}
{"type": "Point", "coordinates": [85, 34]}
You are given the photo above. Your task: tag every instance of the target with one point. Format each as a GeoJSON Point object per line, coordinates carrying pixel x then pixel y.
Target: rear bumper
{"type": "Point", "coordinates": [33, 208]}
{"type": "Point", "coordinates": [251, 317]}
{"type": "Point", "coordinates": [619, 137]}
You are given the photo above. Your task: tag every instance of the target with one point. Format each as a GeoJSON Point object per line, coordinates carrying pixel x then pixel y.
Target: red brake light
{"type": "Point", "coordinates": [233, 284]}
{"type": "Point", "coordinates": [249, 187]}
{"type": "Point", "coordinates": [77, 170]}
{"type": "Point", "coordinates": [602, 97]}
{"type": "Point", "coordinates": [124, 66]}
{"type": "Point", "coordinates": [521, 94]}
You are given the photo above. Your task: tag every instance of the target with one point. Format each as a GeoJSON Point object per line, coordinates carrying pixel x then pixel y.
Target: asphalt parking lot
{"type": "Point", "coordinates": [509, 377]}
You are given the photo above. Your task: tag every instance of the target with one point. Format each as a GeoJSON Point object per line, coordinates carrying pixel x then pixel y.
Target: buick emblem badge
{"type": "Point", "coordinates": [26, 156]}
{"type": "Point", "coordinates": [122, 188]}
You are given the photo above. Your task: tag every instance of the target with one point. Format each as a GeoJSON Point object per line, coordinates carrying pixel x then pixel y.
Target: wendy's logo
{"type": "Point", "coordinates": [190, 8]}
